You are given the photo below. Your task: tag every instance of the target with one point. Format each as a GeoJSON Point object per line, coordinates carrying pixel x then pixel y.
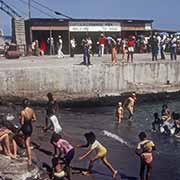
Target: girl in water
{"type": "Point", "coordinates": [119, 112]}
{"type": "Point", "coordinates": [101, 153]}
{"type": "Point", "coordinates": [27, 116]}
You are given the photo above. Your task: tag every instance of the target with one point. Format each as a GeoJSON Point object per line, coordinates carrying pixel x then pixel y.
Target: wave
{"type": "Point", "coordinates": [115, 137]}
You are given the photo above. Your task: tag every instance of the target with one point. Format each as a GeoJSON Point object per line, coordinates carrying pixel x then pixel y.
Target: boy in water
{"type": "Point", "coordinates": [165, 113]}
{"type": "Point", "coordinates": [119, 112]}
{"type": "Point", "coordinates": [51, 109]}
{"type": "Point", "coordinates": [157, 121]}
{"type": "Point", "coordinates": [129, 105]}
{"type": "Point", "coordinates": [144, 151]}
{"type": "Point", "coordinates": [101, 153]}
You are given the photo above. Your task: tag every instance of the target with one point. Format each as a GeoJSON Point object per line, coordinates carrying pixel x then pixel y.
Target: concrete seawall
{"type": "Point", "coordinates": [72, 81]}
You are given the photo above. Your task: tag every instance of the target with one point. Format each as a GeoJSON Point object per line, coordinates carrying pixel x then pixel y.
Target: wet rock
{"type": "Point", "coordinates": [18, 170]}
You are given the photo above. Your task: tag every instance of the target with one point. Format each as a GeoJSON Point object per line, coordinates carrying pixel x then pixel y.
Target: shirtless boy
{"type": "Point", "coordinates": [129, 105]}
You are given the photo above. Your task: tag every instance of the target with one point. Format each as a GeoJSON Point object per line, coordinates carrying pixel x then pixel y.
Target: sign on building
{"type": "Point", "coordinates": [94, 27]}
{"type": "Point", "coordinates": [148, 27]}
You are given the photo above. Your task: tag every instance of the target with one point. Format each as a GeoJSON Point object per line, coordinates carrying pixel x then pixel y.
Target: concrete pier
{"type": "Point", "coordinates": [33, 77]}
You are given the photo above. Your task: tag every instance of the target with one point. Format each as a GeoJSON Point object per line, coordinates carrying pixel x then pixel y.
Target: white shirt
{"type": "Point", "coordinates": [60, 41]}
{"type": "Point", "coordinates": [73, 43]}
{"type": "Point", "coordinates": [57, 127]}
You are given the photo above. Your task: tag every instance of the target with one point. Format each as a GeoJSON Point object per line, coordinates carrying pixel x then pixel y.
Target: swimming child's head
{"type": "Point", "coordinates": [26, 102]}
{"type": "Point", "coordinates": [156, 115]}
{"type": "Point", "coordinates": [142, 136]}
{"type": "Point", "coordinates": [133, 94]}
{"type": "Point", "coordinates": [90, 137]}
{"type": "Point", "coordinates": [164, 106]}
{"type": "Point", "coordinates": [119, 103]}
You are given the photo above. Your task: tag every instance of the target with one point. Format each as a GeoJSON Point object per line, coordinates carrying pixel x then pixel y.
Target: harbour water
{"type": "Point", "coordinates": [120, 140]}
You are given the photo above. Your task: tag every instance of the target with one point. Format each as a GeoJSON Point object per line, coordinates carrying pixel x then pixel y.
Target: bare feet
{"type": "Point", "coordinates": [85, 173]}
{"type": "Point", "coordinates": [114, 174]}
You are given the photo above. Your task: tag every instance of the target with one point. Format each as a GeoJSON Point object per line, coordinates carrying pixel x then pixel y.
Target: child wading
{"type": "Point", "coordinates": [144, 150]}
{"type": "Point", "coordinates": [101, 153]}
{"type": "Point", "coordinates": [119, 112]}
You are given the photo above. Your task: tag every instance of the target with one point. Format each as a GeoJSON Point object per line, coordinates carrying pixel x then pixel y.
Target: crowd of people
{"type": "Point", "coordinates": [158, 44]}
{"type": "Point", "coordinates": [64, 151]}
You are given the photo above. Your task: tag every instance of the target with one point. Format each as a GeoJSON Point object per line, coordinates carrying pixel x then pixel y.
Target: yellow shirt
{"type": "Point", "coordinates": [146, 145]}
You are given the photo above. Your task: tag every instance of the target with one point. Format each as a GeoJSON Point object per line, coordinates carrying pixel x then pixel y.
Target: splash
{"type": "Point", "coordinates": [10, 117]}
{"type": "Point", "coordinates": [115, 137]}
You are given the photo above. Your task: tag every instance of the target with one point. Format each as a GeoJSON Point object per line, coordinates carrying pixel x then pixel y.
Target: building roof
{"type": "Point", "coordinates": [58, 21]}
{"type": "Point", "coordinates": [164, 30]}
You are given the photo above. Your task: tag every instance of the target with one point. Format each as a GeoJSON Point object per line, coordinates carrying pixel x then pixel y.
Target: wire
{"type": "Point", "coordinates": [39, 10]}
{"type": "Point", "coordinates": [22, 12]}
{"type": "Point", "coordinates": [56, 12]}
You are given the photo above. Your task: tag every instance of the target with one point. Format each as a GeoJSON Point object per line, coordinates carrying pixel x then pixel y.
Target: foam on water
{"type": "Point", "coordinates": [115, 137]}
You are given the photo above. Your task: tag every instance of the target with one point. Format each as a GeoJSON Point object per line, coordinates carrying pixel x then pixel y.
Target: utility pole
{"type": "Point", "coordinates": [29, 8]}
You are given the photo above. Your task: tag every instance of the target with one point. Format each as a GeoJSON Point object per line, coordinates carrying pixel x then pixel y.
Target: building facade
{"type": "Point", "coordinates": [44, 29]}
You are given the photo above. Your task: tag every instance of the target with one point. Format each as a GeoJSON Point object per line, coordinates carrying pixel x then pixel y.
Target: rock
{"type": "Point", "coordinates": [18, 170]}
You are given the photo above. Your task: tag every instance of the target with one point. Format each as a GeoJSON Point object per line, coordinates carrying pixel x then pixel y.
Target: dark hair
{"type": "Point", "coordinates": [164, 106]}
{"type": "Point", "coordinates": [55, 161]}
{"type": "Point", "coordinates": [26, 102]}
{"type": "Point", "coordinates": [55, 138]}
{"type": "Point", "coordinates": [90, 137]}
{"type": "Point", "coordinates": [142, 135]}
{"type": "Point", "coordinates": [156, 115]}
{"type": "Point", "coordinates": [175, 116]}
{"type": "Point", "coordinates": [50, 96]}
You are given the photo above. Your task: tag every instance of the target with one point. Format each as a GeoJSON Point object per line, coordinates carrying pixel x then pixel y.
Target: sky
{"type": "Point", "coordinates": [165, 13]}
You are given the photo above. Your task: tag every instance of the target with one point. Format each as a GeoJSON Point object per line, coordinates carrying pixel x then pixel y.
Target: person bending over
{"type": "Point", "coordinates": [101, 153]}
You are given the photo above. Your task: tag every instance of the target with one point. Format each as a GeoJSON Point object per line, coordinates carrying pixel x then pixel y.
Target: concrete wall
{"type": "Point", "coordinates": [78, 81]}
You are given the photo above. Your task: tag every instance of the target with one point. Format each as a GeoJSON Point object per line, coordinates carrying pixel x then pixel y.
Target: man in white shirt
{"type": "Point", "coordinates": [60, 44]}
{"type": "Point", "coordinates": [72, 46]}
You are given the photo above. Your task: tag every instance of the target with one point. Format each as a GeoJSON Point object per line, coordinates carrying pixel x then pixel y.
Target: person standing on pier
{"type": "Point", "coordinates": [154, 47]}
{"type": "Point", "coordinates": [113, 51]}
{"type": "Point", "coordinates": [102, 42]}
{"type": "Point", "coordinates": [144, 151]}
{"type": "Point", "coordinates": [27, 116]}
{"type": "Point", "coordinates": [60, 45]}
{"type": "Point", "coordinates": [129, 104]}
{"type": "Point", "coordinates": [86, 51]}
{"type": "Point", "coordinates": [131, 45]}
{"type": "Point", "coordinates": [72, 46]}
{"type": "Point", "coordinates": [173, 48]}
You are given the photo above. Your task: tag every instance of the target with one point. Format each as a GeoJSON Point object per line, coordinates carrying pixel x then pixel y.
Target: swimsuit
{"type": "Point", "coordinates": [100, 149]}
{"type": "Point", "coordinates": [27, 127]}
